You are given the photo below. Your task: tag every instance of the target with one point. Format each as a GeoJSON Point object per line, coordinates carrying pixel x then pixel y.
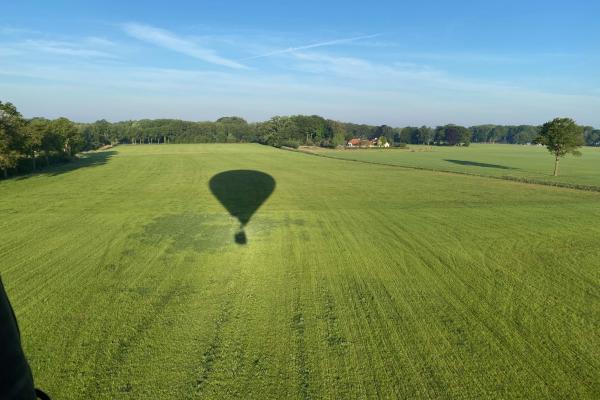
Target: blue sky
{"type": "Point", "coordinates": [381, 62]}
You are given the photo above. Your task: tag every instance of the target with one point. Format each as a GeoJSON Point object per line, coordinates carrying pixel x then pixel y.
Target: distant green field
{"type": "Point", "coordinates": [531, 162]}
{"type": "Point", "coordinates": [357, 281]}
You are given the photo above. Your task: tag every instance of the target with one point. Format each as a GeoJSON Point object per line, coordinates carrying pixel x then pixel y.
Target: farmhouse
{"type": "Point", "coordinates": [379, 142]}
{"type": "Point", "coordinates": [353, 143]}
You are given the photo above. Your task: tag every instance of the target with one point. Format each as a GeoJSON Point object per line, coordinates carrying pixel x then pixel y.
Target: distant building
{"type": "Point", "coordinates": [379, 142]}
{"type": "Point", "coordinates": [353, 143]}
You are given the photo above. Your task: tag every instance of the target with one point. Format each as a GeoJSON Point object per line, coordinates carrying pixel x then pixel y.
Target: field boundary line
{"type": "Point", "coordinates": [529, 181]}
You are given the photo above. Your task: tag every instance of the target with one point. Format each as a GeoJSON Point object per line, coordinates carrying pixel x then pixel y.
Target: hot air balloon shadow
{"type": "Point", "coordinates": [242, 192]}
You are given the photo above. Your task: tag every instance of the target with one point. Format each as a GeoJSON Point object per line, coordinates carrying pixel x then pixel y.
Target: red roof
{"type": "Point", "coordinates": [354, 141]}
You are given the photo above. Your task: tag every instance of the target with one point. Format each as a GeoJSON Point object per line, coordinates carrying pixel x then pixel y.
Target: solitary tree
{"type": "Point", "coordinates": [561, 136]}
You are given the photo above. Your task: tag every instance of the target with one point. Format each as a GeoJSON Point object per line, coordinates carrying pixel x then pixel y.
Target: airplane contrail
{"type": "Point", "coordinates": [311, 46]}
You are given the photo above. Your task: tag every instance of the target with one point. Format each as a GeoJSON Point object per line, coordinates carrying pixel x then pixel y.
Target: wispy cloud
{"type": "Point", "coordinates": [359, 69]}
{"type": "Point", "coordinates": [33, 43]}
{"type": "Point", "coordinates": [34, 48]}
{"type": "Point", "coordinates": [100, 41]}
{"type": "Point", "coordinates": [475, 57]}
{"type": "Point", "coordinates": [63, 48]}
{"type": "Point", "coordinates": [169, 40]}
{"type": "Point", "coordinates": [392, 94]}
{"type": "Point", "coordinates": [312, 46]}
{"type": "Point", "coordinates": [12, 31]}
{"type": "Point", "coordinates": [388, 86]}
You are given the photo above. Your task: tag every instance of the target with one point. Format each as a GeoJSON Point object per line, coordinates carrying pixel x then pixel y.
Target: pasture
{"type": "Point", "coordinates": [353, 281]}
{"type": "Point", "coordinates": [499, 160]}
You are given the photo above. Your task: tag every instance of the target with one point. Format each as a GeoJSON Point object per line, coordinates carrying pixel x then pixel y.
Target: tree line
{"type": "Point", "coordinates": [23, 142]}
{"type": "Point", "coordinates": [300, 130]}
{"type": "Point", "coordinates": [26, 142]}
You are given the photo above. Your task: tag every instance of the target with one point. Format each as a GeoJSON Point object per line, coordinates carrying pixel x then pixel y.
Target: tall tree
{"type": "Point", "coordinates": [591, 136]}
{"type": "Point", "coordinates": [50, 143]}
{"type": "Point", "coordinates": [481, 133]}
{"type": "Point", "coordinates": [561, 136]}
{"type": "Point", "coordinates": [336, 133]}
{"type": "Point", "coordinates": [453, 135]}
{"type": "Point", "coordinates": [497, 134]}
{"type": "Point", "coordinates": [594, 138]}
{"type": "Point", "coordinates": [101, 131]}
{"type": "Point", "coordinates": [425, 135]}
{"type": "Point", "coordinates": [35, 132]}
{"type": "Point", "coordinates": [11, 123]}
{"type": "Point", "coordinates": [67, 133]}
{"type": "Point", "coordinates": [384, 130]}
{"type": "Point", "coordinates": [409, 135]}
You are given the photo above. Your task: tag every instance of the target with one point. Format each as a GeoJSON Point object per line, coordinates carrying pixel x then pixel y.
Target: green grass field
{"type": "Point", "coordinates": [499, 160]}
{"type": "Point", "coordinates": [357, 281]}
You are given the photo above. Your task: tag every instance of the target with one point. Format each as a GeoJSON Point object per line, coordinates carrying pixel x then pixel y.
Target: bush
{"type": "Point", "coordinates": [289, 143]}
{"type": "Point", "coordinates": [328, 145]}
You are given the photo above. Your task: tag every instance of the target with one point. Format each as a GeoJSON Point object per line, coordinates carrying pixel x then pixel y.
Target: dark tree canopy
{"type": "Point", "coordinates": [452, 135]}
{"type": "Point", "coordinates": [11, 136]}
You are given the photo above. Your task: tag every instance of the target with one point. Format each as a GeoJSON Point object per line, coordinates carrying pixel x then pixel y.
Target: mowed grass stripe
{"type": "Point", "coordinates": [358, 281]}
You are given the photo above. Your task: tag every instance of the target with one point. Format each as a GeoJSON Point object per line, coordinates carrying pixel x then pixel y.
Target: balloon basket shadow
{"type": "Point", "coordinates": [242, 192]}
{"type": "Point", "coordinates": [240, 237]}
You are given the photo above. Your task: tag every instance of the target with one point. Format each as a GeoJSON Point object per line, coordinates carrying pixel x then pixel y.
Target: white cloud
{"type": "Point", "coordinates": [63, 48]}
{"type": "Point", "coordinates": [166, 39]}
{"type": "Point", "coordinates": [34, 47]}
{"type": "Point", "coordinates": [408, 97]}
{"type": "Point", "coordinates": [305, 79]}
